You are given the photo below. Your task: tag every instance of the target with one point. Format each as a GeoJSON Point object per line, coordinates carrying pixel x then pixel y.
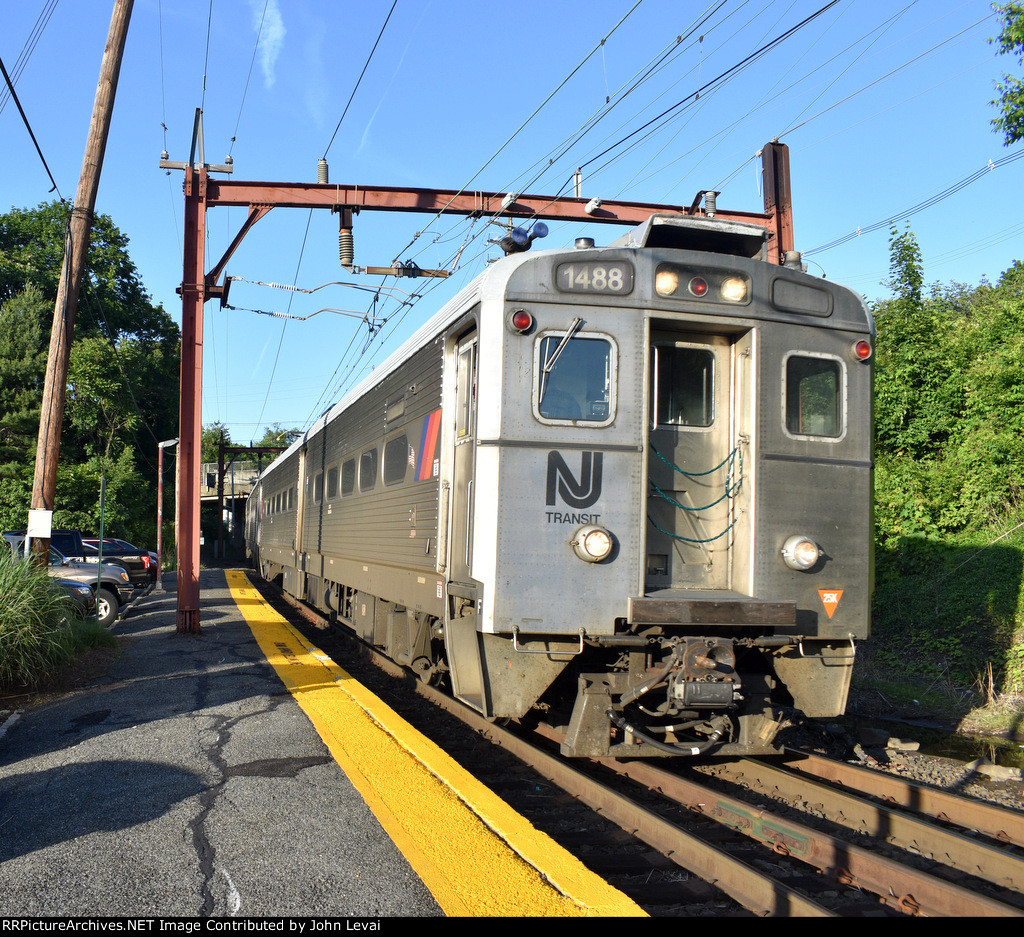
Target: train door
{"type": "Point", "coordinates": [694, 462]}
{"type": "Point", "coordinates": [462, 642]}
{"type": "Point", "coordinates": [461, 537]}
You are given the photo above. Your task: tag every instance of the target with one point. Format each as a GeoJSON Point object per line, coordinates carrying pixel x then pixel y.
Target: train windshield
{"type": "Point", "coordinates": [574, 378]}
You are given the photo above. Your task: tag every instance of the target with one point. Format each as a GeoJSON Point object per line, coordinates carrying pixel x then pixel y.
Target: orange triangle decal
{"type": "Point", "coordinates": [830, 599]}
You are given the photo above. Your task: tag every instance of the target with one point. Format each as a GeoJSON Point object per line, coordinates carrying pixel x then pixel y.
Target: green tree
{"type": "Point", "coordinates": [122, 378]}
{"type": "Point", "coordinates": [918, 388]}
{"type": "Point", "coordinates": [1010, 102]}
{"type": "Point", "coordinates": [277, 435]}
{"type": "Point", "coordinates": [112, 300]}
{"type": "Point", "coordinates": [949, 501]}
{"type": "Point", "coordinates": [212, 436]}
{"type": "Point", "coordinates": [22, 368]}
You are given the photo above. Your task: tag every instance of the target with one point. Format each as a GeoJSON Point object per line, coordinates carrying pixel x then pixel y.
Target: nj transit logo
{"type": "Point", "coordinates": [577, 493]}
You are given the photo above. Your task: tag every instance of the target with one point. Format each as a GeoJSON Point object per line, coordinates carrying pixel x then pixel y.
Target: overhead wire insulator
{"type": "Point", "coordinates": [346, 248]}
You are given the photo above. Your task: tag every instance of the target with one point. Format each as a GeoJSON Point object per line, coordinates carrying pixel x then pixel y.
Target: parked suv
{"type": "Point", "coordinates": [109, 582]}
{"type": "Point", "coordinates": [80, 595]}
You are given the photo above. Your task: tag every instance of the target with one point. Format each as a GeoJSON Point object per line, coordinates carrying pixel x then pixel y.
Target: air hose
{"type": "Point", "coordinates": [692, 750]}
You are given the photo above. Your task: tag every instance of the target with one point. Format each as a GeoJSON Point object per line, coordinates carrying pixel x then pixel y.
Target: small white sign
{"type": "Point", "coordinates": [40, 524]}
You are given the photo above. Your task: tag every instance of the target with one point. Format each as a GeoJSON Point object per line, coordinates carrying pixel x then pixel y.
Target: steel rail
{"type": "Point", "coordinates": [907, 889]}
{"type": "Point", "coordinates": [757, 892]}
{"type": "Point", "coordinates": [961, 852]}
{"type": "Point", "coordinates": [999, 824]}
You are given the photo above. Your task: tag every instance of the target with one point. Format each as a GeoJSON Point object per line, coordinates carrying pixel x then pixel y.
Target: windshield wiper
{"type": "Point", "coordinates": [574, 327]}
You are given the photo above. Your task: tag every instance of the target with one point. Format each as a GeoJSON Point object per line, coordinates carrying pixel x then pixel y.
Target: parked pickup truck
{"type": "Point", "coordinates": [76, 547]}
{"type": "Point", "coordinates": [136, 561]}
{"type": "Point", "coordinates": [110, 583]}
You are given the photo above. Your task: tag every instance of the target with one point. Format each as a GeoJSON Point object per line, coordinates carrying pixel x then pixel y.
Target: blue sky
{"type": "Point", "coordinates": [884, 108]}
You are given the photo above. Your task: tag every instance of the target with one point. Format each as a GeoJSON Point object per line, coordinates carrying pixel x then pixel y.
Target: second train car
{"type": "Point", "coordinates": [622, 489]}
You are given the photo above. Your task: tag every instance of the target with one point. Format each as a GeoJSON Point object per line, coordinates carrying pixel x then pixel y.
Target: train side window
{"type": "Point", "coordinates": [814, 396]}
{"type": "Point", "coordinates": [574, 379]}
{"type": "Point", "coordinates": [684, 386]}
{"type": "Point", "coordinates": [465, 380]}
{"type": "Point", "coordinates": [318, 488]}
{"type": "Point", "coordinates": [396, 460]}
{"type": "Point", "coordinates": [332, 482]}
{"type": "Point", "coordinates": [348, 477]}
{"type": "Point", "coordinates": [368, 470]}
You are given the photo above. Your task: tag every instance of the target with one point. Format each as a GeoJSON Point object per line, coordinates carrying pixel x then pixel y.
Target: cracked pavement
{"type": "Point", "coordinates": [188, 782]}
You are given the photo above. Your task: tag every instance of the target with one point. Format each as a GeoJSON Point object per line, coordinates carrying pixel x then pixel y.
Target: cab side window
{"type": "Point", "coordinates": [814, 396]}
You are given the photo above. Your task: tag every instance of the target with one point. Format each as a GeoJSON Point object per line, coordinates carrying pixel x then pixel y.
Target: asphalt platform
{"type": "Point", "coordinates": [188, 783]}
{"type": "Point", "coordinates": [242, 779]}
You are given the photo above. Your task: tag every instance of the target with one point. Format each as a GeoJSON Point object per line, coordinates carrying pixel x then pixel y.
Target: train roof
{"type": "Point", "coordinates": [685, 232]}
{"type": "Point", "coordinates": [681, 232]}
{"type": "Point", "coordinates": [449, 312]}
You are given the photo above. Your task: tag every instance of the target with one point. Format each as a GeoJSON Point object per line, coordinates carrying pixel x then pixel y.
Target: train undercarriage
{"type": "Point", "coordinates": [652, 689]}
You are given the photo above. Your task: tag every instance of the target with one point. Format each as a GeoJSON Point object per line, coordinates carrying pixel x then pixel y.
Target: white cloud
{"type": "Point", "coordinates": [271, 36]}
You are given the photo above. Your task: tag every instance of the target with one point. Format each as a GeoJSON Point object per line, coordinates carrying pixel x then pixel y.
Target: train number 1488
{"type": "Point", "coordinates": [595, 278]}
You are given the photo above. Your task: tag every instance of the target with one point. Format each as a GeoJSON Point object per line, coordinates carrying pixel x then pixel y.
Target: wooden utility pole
{"type": "Point", "coordinates": [76, 244]}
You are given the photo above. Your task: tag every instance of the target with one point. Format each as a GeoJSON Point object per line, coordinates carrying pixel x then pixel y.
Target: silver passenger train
{"type": "Point", "coordinates": [624, 490]}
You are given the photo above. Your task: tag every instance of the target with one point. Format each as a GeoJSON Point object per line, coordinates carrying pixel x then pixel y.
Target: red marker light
{"type": "Point", "coordinates": [698, 286]}
{"type": "Point", "coordinates": [521, 321]}
{"type": "Point", "coordinates": [862, 350]}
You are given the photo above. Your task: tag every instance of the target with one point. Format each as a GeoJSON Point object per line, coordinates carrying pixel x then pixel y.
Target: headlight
{"type": "Point", "coordinates": [666, 281]}
{"type": "Point", "coordinates": [124, 576]}
{"type": "Point", "coordinates": [734, 289]}
{"type": "Point", "coordinates": [592, 543]}
{"type": "Point", "coordinates": [800, 552]}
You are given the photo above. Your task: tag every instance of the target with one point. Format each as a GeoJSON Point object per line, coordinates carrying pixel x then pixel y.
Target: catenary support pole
{"type": "Point", "coordinates": [190, 416]}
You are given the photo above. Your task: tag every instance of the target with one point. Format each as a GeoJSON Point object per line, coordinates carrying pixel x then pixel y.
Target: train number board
{"type": "Point", "coordinates": [587, 277]}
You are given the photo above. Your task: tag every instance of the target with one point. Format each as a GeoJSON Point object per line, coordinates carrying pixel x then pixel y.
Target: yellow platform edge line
{"type": "Point", "coordinates": [476, 855]}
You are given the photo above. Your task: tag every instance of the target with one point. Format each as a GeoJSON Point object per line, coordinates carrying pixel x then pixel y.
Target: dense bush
{"type": "Point", "coordinates": [949, 512]}
{"type": "Point", "coordinates": [39, 630]}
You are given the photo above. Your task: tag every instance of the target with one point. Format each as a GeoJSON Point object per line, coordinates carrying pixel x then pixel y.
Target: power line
{"type": "Point", "coordinates": [767, 47]}
{"type": "Point", "coordinates": [920, 206]}
{"type": "Point", "coordinates": [248, 78]}
{"type": "Point", "coordinates": [28, 48]}
{"type": "Point", "coordinates": [359, 81]}
{"type": "Point", "coordinates": [206, 58]}
{"type": "Point", "coordinates": [536, 111]}
{"type": "Point", "coordinates": [883, 77]}
{"type": "Point", "coordinates": [28, 127]}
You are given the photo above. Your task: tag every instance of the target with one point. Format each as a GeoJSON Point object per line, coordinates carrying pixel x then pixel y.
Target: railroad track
{"type": "Point", "coordinates": [806, 836]}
